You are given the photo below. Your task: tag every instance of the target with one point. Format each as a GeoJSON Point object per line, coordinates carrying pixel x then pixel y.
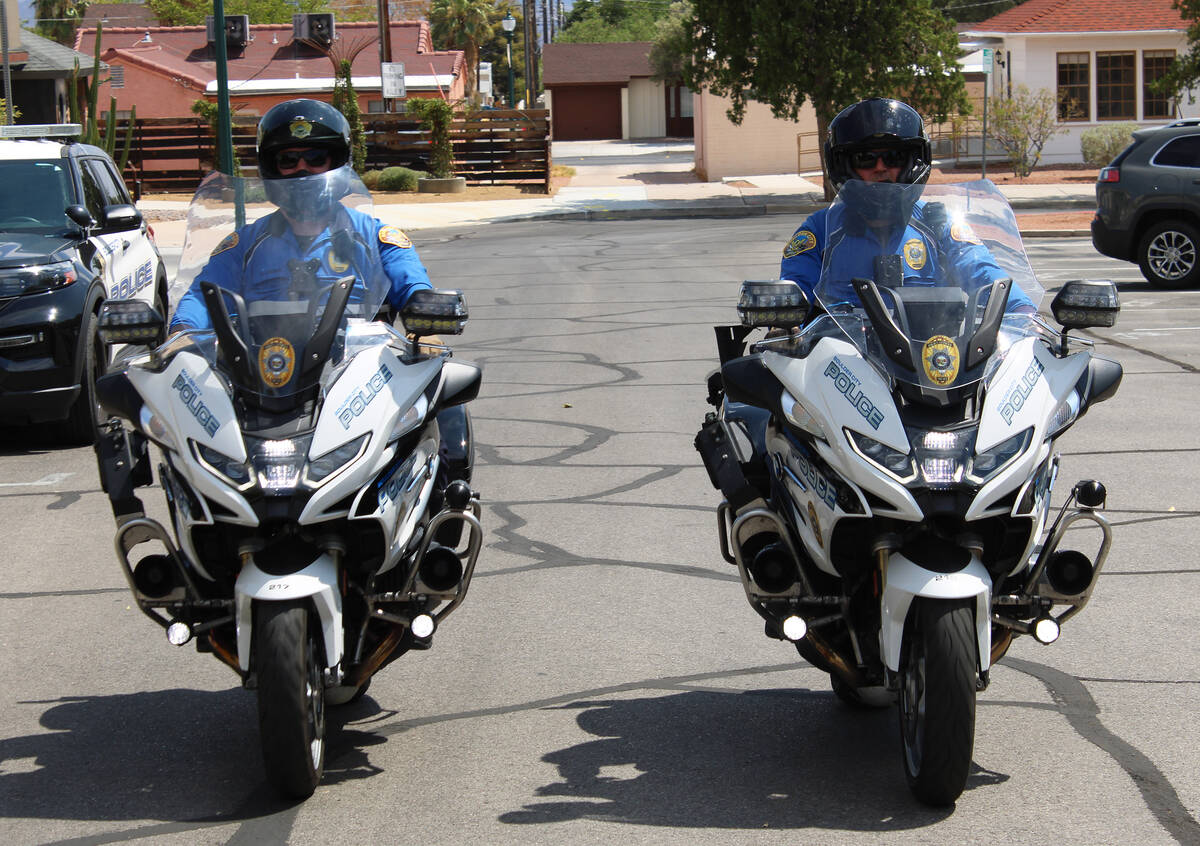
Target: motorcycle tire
{"type": "Point", "coordinates": [291, 697]}
{"type": "Point", "coordinates": [938, 674]}
{"type": "Point", "coordinates": [82, 424]}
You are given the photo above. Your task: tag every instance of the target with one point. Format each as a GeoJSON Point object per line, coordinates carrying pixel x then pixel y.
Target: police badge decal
{"type": "Point", "coordinates": [276, 360]}
{"type": "Point", "coordinates": [940, 358]}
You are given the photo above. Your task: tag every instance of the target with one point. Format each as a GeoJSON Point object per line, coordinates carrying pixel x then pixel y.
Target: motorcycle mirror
{"type": "Point", "coordinates": [1084, 303]}
{"type": "Point", "coordinates": [130, 322]}
{"type": "Point", "coordinates": [775, 303]}
{"type": "Point", "coordinates": [430, 312]}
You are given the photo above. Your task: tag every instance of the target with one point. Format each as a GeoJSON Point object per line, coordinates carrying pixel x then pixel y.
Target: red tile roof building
{"type": "Point", "coordinates": [163, 70]}
{"type": "Point", "coordinates": [1085, 16]}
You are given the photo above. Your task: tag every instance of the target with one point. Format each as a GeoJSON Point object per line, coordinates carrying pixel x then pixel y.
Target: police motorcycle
{"type": "Point", "coordinates": [316, 464]}
{"type": "Point", "coordinates": [887, 471]}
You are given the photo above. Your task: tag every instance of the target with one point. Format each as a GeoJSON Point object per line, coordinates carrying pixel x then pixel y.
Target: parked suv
{"type": "Point", "coordinates": [70, 237]}
{"type": "Point", "coordinates": [1148, 205]}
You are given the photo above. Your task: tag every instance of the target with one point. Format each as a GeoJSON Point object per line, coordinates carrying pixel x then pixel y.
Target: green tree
{"type": "Point", "coordinates": [613, 20]}
{"type": "Point", "coordinates": [463, 25]}
{"type": "Point", "coordinates": [788, 52]}
{"type": "Point", "coordinates": [435, 115]}
{"type": "Point", "coordinates": [494, 49]}
{"type": "Point", "coordinates": [1184, 72]}
{"type": "Point", "coordinates": [1022, 124]}
{"type": "Point", "coordinates": [58, 19]}
{"type": "Point", "coordinates": [192, 12]}
{"type": "Point", "coordinates": [345, 100]}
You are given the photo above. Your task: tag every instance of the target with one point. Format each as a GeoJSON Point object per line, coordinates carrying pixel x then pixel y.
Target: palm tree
{"type": "Point", "coordinates": [462, 24]}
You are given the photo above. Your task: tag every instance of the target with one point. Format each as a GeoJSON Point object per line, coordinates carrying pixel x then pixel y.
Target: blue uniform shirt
{"type": "Point", "coordinates": [253, 262]}
{"type": "Point", "coordinates": [925, 244]}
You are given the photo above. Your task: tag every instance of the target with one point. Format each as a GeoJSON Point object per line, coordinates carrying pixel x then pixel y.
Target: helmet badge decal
{"type": "Point", "coordinates": [940, 359]}
{"type": "Point", "coordinates": [276, 361]}
{"type": "Point", "coordinates": [300, 128]}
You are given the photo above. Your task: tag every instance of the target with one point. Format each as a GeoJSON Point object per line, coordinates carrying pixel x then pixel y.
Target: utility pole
{"type": "Point", "coordinates": [529, 15]}
{"type": "Point", "coordinates": [224, 123]}
{"type": "Point", "coordinates": [385, 45]}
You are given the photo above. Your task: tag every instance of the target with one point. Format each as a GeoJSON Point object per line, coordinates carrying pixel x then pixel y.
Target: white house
{"type": "Point", "coordinates": [1097, 56]}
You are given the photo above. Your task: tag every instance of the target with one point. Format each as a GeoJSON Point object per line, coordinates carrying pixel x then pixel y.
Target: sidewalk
{"type": "Point", "coordinates": [647, 180]}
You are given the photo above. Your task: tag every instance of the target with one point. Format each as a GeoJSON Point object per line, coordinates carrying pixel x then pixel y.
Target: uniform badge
{"type": "Point", "coordinates": [335, 262]}
{"type": "Point", "coordinates": [227, 243]}
{"type": "Point", "coordinates": [962, 232]}
{"type": "Point", "coordinates": [940, 358]}
{"type": "Point", "coordinates": [276, 360]}
{"type": "Point", "coordinates": [395, 236]}
{"type": "Point", "coordinates": [815, 525]}
{"type": "Point", "coordinates": [300, 128]}
{"type": "Point", "coordinates": [801, 242]}
{"type": "Point", "coordinates": [914, 253]}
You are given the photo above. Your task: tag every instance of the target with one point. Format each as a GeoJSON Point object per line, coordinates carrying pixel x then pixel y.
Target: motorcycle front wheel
{"type": "Point", "coordinates": [937, 698]}
{"type": "Point", "coordinates": [291, 697]}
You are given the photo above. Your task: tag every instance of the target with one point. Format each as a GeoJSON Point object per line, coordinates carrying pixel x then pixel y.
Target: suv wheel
{"type": "Point", "coordinates": [1169, 255]}
{"type": "Point", "coordinates": [82, 424]}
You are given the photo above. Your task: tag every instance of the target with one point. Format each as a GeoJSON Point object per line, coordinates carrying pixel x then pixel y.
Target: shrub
{"type": "Point", "coordinates": [1101, 144]}
{"type": "Point", "coordinates": [370, 178]}
{"type": "Point", "coordinates": [398, 179]}
{"type": "Point", "coordinates": [435, 116]}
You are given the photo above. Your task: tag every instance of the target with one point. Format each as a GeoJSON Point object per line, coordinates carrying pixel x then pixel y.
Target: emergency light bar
{"type": "Point", "coordinates": [41, 130]}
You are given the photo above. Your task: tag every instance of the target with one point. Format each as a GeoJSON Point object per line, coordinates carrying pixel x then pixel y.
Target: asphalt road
{"type": "Point", "coordinates": [605, 680]}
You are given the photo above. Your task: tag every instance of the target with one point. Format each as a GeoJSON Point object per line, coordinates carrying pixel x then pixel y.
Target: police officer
{"type": "Point", "coordinates": [312, 237]}
{"type": "Point", "coordinates": [875, 141]}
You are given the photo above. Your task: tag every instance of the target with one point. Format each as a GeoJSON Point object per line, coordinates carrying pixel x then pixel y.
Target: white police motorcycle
{"type": "Point", "coordinates": [316, 464]}
{"type": "Point", "coordinates": [887, 472]}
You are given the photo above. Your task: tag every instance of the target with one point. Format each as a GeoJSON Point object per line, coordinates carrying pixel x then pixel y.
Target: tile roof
{"type": "Point", "coordinates": [591, 63]}
{"type": "Point", "coordinates": [1085, 16]}
{"type": "Point", "coordinates": [119, 14]}
{"type": "Point", "coordinates": [183, 51]}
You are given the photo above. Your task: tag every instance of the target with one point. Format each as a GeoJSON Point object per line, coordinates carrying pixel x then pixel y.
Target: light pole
{"type": "Point", "coordinates": [509, 23]}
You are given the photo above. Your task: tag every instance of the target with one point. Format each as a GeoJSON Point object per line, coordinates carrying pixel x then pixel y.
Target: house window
{"type": "Point", "coordinates": [375, 107]}
{"type": "Point", "coordinates": [1154, 65]}
{"type": "Point", "coordinates": [1116, 89]}
{"type": "Point", "coordinates": [1074, 80]}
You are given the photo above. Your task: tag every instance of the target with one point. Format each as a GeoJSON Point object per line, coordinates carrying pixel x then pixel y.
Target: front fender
{"type": "Point", "coordinates": [905, 580]}
{"type": "Point", "coordinates": [318, 580]}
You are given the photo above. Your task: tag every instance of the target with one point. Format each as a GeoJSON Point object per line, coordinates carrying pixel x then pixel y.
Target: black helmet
{"type": "Point", "coordinates": [305, 123]}
{"type": "Point", "coordinates": [302, 123]}
{"type": "Point", "coordinates": [877, 124]}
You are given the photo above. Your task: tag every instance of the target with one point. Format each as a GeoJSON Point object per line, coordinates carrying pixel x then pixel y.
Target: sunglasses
{"type": "Point", "coordinates": [864, 159]}
{"type": "Point", "coordinates": [289, 159]}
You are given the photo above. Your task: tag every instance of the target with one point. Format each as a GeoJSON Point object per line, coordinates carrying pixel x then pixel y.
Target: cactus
{"type": "Point", "coordinates": [86, 114]}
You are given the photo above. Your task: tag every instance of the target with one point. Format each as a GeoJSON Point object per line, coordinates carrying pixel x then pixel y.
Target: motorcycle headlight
{"type": "Point", "coordinates": [991, 461]}
{"type": "Point", "coordinates": [321, 468]}
{"type": "Point", "coordinates": [942, 456]}
{"type": "Point", "coordinates": [34, 280]}
{"type": "Point", "coordinates": [896, 463]}
{"type": "Point", "coordinates": [231, 470]}
{"type": "Point", "coordinates": [278, 463]}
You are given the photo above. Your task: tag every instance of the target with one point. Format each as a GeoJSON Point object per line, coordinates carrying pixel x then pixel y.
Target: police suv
{"type": "Point", "coordinates": [70, 238]}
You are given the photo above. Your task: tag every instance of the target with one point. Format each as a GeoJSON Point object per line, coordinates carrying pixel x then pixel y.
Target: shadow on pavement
{"type": "Point", "coordinates": [751, 760]}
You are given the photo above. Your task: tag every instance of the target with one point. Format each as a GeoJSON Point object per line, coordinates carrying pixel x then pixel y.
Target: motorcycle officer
{"type": "Point", "coordinates": [882, 140]}
{"type": "Point", "coordinates": [312, 237]}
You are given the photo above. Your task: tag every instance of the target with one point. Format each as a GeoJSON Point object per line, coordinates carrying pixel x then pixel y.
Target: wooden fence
{"type": "Point", "coordinates": [489, 147]}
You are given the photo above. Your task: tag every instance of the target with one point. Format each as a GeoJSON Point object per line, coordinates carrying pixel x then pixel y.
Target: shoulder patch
{"type": "Point", "coordinates": [962, 232]}
{"type": "Point", "coordinates": [227, 243]}
{"type": "Point", "coordinates": [395, 236]}
{"type": "Point", "coordinates": [801, 242]}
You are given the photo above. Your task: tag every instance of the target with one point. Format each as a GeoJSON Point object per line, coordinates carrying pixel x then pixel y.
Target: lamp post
{"type": "Point", "coordinates": [509, 23]}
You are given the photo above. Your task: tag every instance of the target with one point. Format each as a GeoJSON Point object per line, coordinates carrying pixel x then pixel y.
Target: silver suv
{"type": "Point", "coordinates": [70, 238]}
{"type": "Point", "coordinates": [1148, 205]}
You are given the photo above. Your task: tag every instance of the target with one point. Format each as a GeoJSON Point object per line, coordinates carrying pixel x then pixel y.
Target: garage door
{"type": "Point", "coordinates": [585, 112]}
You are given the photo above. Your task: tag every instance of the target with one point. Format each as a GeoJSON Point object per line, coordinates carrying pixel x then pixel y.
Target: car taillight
{"type": "Point", "coordinates": [1109, 174]}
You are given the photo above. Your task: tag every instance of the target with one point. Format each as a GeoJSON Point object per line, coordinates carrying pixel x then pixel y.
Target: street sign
{"type": "Point", "coordinates": [987, 60]}
{"type": "Point", "coordinates": [393, 79]}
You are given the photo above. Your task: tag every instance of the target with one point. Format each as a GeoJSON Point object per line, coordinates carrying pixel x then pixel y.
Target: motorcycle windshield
{"type": "Point", "coordinates": [276, 269]}
{"type": "Point", "coordinates": [923, 279]}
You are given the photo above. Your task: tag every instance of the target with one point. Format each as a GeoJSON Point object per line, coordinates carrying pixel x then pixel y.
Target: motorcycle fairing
{"type": "Point", "coordinates": [318, 580]}
{"type": "Point", "coordinates": [1026, 390]}
{"type": "Point", "coordinates": [904, 580]}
